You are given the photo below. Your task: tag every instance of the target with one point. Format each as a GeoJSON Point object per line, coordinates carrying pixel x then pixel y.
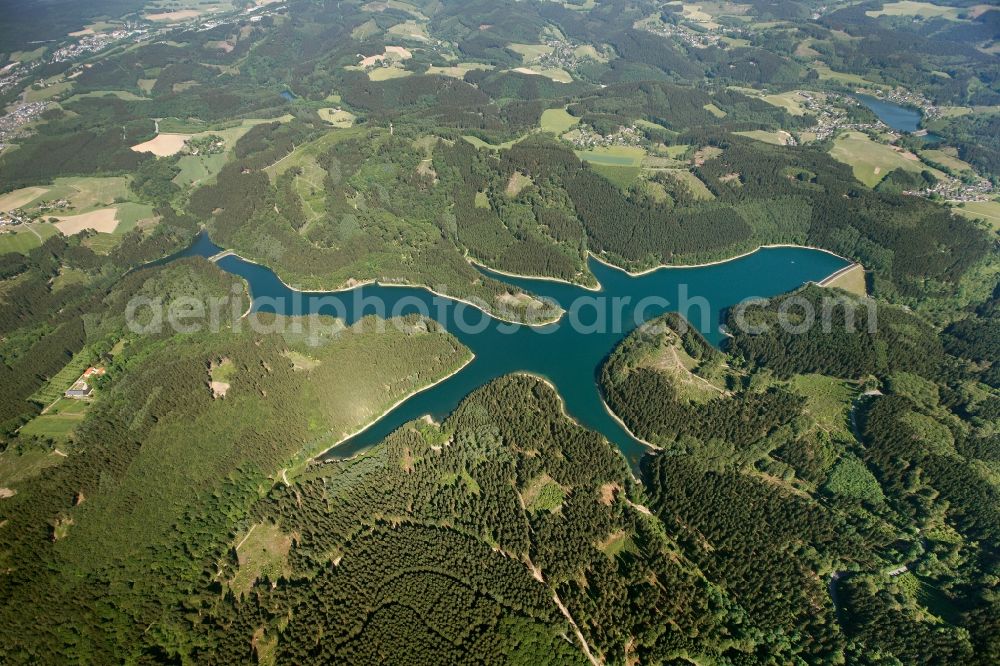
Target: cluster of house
{"type": "Point", "coordinates": [13, 218]}
{"type": "Point", "coordinates": [82, 387]}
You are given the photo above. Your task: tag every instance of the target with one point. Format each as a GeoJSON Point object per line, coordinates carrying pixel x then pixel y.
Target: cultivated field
{"type": "Point", "coordinates": [557, 75]}
{"type": "Point", "coordinates": [180, 15]}
{"type": "Point", "coordinates": [20, 198]}
{"type": "Point", "coordinates": [104, 220]}
{"type": "Point", "coordinates": [164, 145]}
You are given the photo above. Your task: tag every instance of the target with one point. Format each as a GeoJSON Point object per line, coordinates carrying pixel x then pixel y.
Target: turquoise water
{"type": "Point", "coordinates": [569, 352]}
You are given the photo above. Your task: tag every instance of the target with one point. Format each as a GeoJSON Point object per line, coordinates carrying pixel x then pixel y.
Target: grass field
{"type": "Point", "coordinates": [388, 73]}
{"type": "Point", "coordinates": [677, 152]}
{"type": "Point", "coordinates": [715, 111]}
{"type": "Point", "coordinates": [479, 143]}
{"type": "Point", "coordinates": [518, 181]}
{"type": "Point", "coordinates": [553, 73]}
{"type": "Point", "coordinates": [86, 193]}
{"type": "Point", "coordinates": [365, 30]}
{"type": "Point", "coordinates": [918, 9]}
{"type": "Point", "coordinates": [790, 101]}
{"type": "Point", "coordinates": [410, 30]}
{"type": "Point", "coordinates": [27, 56]}
{"type": "Point", "coordinates": [986, 210]}
{"type": "Point", "coordinates": [198, 169]}
{"type": "Point", "coordinates": [828, 401]}
{"type": "Point", "coordinates": [130, 214]}
{"type": "Point", "coordinates": [622, 176]}
{"type": "Point", "coordinates": [651, 125]}
{"type": "Point", "coordinates": [68, 277]}
{"type": "Point", "coordinates": [48, 92]}
{"type": "Point", "coordinates": [853, 281]}
{"type": "Point", "coordinates": [557, 121]}
{"type": "Point", "coordinates": [530, 52]}
{"type": "Point", "coordinates": [59, 421]}
{"type": "Point", "coordinates": [825, 73]}
{"type": "Point", "coordinates": [458, 71]}
{"type": "Point", "coordinates": [871, 161]}
{"type": "Point", "coordinates": [778, 138]}
{"type": "Point", "coordinates": [698, 188]}
{"type": "Point", "coordinates": [628, 156]}
{"type": "Point", "coordinates": [947, 159]}
{"type": "Point", "coordinates": [120, 94]}
{"type": "Point", "coordinates": [25, 237]}
{"type": "Point", "coordinates": [309, 184]}
{"type": "Point", "coordinates": [16, 467]}
{"type": "Point", "coordinates": [337, 117]}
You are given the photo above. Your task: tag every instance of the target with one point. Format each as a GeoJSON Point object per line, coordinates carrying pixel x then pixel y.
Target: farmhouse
{"type": "Point", "coordinates": [82, 388]}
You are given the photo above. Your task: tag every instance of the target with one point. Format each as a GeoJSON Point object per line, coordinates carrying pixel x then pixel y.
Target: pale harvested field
{"type": "Point", "coordinates": [557, 75]}
{"type": "Point", "coordinates": [164, 145]}
{"type": "Point", "coordinates": [104, 221]}
{"type": "Point", "coordinates": [179, 15]}
{"type": "Point", "coordinates": [398, 51]}
{"type": "Point", "coordinates": [22, 197]}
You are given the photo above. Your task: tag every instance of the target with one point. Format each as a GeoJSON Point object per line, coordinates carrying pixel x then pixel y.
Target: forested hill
{"type": "Point", "coordinates": [852, 466]}
{"type": "Point", "coordinates": [824, 497]}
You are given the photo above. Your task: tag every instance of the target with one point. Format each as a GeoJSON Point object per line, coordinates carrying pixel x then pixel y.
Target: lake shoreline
{"type": "Point", "coordinates": [374, 282]}
{"type": "Point", "coordinates": [717, 262]}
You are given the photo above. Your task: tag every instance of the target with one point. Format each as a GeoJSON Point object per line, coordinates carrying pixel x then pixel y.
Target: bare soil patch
{"type": "Point", "coordinates": [178, 15]}
{"type": "Point", "coordinates": [104, 221]}
{"type": "Point", "coordinates": [164, 145]}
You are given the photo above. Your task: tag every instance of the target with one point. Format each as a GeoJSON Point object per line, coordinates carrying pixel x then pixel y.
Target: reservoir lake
{"type": "Point", "coordinates": [899, 118]}
{"type": "Point", "coordinates": [569, 352]}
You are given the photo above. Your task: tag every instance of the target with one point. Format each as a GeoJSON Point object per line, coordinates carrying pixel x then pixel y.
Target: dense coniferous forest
{"type": "Point", "coordinates": [820, 492]}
